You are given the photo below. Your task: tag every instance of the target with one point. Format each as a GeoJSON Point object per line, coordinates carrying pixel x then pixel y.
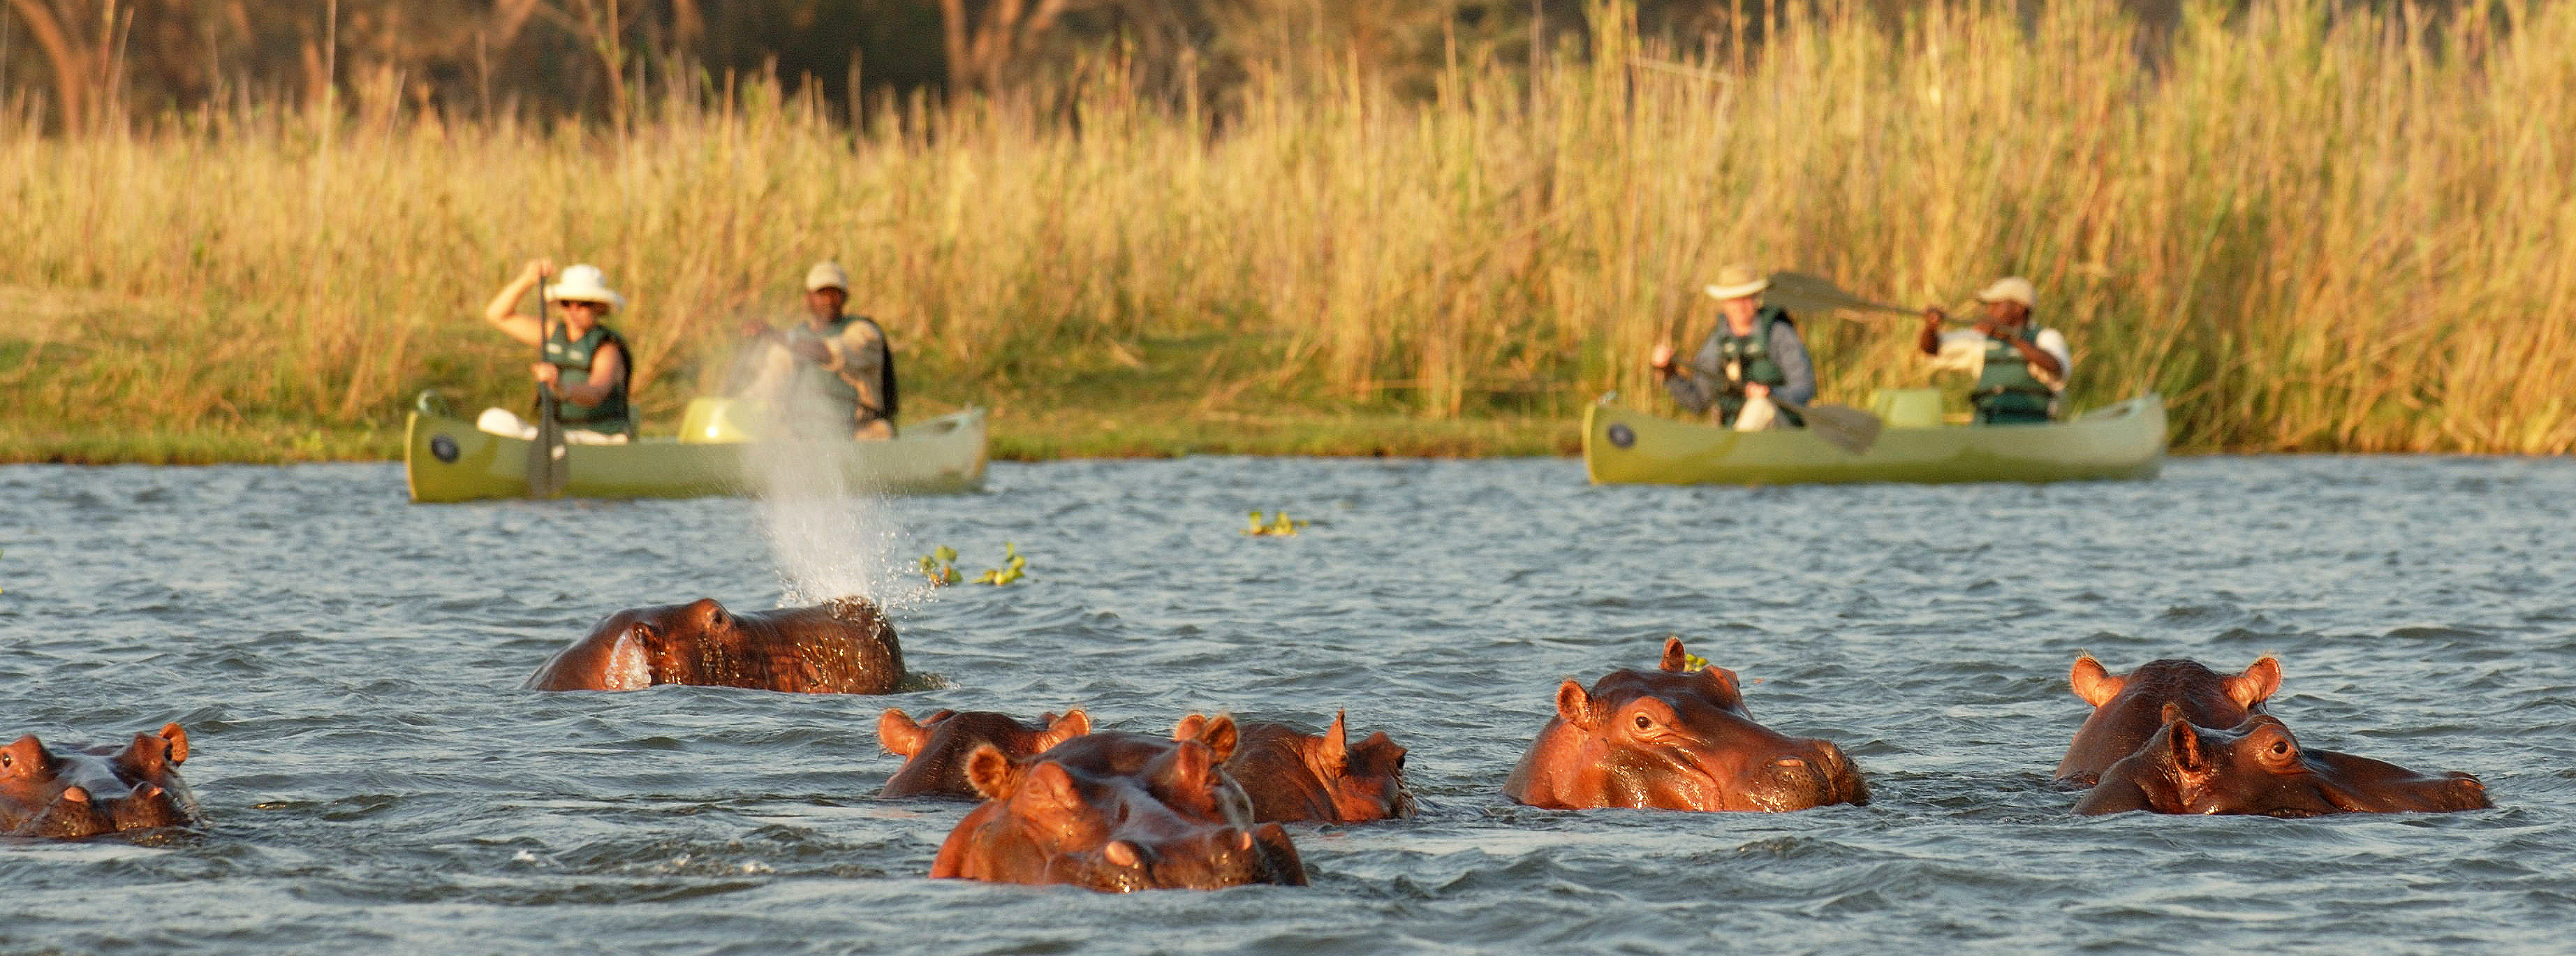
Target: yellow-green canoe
{"type": "Point", "coordinates": [446, 458]}
{"type": "Point", "coordinates": [2126, 440]}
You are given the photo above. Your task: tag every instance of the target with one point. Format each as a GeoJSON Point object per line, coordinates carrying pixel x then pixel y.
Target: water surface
{"type": "Point", "coordinates": [347, 666]}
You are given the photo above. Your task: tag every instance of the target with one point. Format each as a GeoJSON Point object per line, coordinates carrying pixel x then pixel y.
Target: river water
{"type": "Point", "coordinates": [347, 666]}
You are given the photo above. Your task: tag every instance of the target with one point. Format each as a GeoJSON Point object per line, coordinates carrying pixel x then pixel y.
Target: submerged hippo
{"type": "Point", "coordinates": [2258, 768]}
{"type": "Point", "coordinates": [2125, 707]}
{"type": "Point", "coordinates": [1671, 740]}
{"type": "Point", "coordinates": [98, 790]}
{"type": "Point", "coordinates": [935, 749]}
{"type": "Point", "coordinates": [1291, 773]}
{"type": "Point", "coordinates": [844, 647]}
{"type": "Point", "coordinates": [1116, 812]}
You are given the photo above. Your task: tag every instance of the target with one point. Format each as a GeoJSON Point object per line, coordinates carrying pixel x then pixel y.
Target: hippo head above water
{"type": "Point", "coordinates": [2257, 767]}
{"type": "Point", "coordinates": [2126, 707]}
{"type": "Point", "coordinates": [88, 792]}
{"type": "Point", "coordinates": [1116, 812]}
{"type": "Point", "coordinates": [935, 749]}
{"type": "Point", "coordinates": [1674, 740]}
{"type": "Point", "coordinates": [1291, 773]}
{"type": "Point", "coordinates": [844, 647]}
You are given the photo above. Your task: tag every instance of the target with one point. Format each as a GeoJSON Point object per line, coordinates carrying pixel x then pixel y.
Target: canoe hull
{"type": "Point", "coordinates": [447, 459]}
{"type": "Point", "coordinates": [2122, 441]}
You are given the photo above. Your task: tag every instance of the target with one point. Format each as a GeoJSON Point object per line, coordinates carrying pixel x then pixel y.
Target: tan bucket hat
{"type": "Point", "coordinates": [2010, 289]}
{"type": "Point", "coordinates": [1737, 281]}
{"type": "Point", "coordinates": [584, 283]}
{"type": "Point", "coordinates": [826, 275]}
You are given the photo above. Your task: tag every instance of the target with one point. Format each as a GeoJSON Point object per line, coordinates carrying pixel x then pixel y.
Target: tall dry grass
{"type": "Point", "coordinates": [2309, 228]}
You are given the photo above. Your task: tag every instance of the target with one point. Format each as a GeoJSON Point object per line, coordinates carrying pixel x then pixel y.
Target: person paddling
{"type": "Point", "coordinates": [2021, 369]}
{"type": "Point", "coordinates": [1753, 356]}
{"type": "Point", "coordinates": [838, 362]}
{"type": "Point", "coordinates": [586, 361]}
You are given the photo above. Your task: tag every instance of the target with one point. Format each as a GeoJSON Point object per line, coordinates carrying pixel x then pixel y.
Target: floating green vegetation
{"type": "Point", "coordinates": [1693, 662]}
{"type": "Point", "coordinates": [1013, 567]}
{"type": "Point", "coordinates": [940, 566]}
{"type": "Point", "coordinates": [1276, 526]}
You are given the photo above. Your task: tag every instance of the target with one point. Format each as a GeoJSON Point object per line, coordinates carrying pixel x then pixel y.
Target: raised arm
{"type": "Point", "coordinates": [503, 310]}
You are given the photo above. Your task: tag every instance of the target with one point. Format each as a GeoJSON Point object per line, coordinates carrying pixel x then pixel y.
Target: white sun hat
{"type": "Point", "coordinates": [1737, 281]}
{"type": "Point", "coordinates": [2010, 289]}
{"type": "Point", "coordinates": [584, 283]}
{"type": "Point", "coordinates": [826, 275]}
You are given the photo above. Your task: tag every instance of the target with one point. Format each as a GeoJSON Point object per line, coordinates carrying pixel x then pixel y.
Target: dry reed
{"type": "Point", "coordinates": [2310, 228]}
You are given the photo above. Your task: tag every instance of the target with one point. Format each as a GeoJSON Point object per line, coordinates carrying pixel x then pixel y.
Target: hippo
{"type": "Point", "coordinates": [1672, 740]}
{"type": "Point", "coordinates": [1293, 774]}
{"type": "Point", "coordinates": [843, 647]}
{"type": "Point", "coordinates": [2125, 707]}
{"type": "Point", "coordinates": [1115, 812]}
{"type": "Point", "coordinates": [97, 790]}
{"type": "Point", "coordinates": [2257, 767]}
{"type": "Point", "coordinates": [936, 748]}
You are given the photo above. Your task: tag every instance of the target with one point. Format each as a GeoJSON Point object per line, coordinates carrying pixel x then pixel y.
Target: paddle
{"type": "Point", "coordinates": [549, 467]}
{"type": "Point", "coordinates": [1800, 292]}
{"type": "Point", "coordinates": [1849, 429]}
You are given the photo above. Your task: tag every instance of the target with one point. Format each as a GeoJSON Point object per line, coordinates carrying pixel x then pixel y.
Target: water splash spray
{"type": "Point", "coordinates": [828, 536]}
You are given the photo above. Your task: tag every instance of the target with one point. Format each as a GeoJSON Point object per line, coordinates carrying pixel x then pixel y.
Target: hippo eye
{"type": "Point", "coordinates": [1644, 722]}
{"type": "Point", "coordinates": [2280, 747]}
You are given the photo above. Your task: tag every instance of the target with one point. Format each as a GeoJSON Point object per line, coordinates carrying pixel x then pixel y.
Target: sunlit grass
{"type": "Point", "coordinates": [2308, 231]}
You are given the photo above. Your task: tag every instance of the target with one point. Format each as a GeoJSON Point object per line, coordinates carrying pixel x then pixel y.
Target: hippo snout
{"type": "Point", "coordinates": [1819, 776]}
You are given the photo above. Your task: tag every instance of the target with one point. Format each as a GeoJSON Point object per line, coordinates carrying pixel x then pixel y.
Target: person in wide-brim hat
{"type": "Point", "coordinates": [1752, 362]}
{"type": "Point", "coordinates": [586, 363]}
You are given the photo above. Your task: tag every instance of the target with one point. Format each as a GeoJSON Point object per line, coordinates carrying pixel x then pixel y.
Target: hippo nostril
{"type": "Point", "coordinates": [1789, 763]}
{"type": "Point", "coordinates": [1242, 841]}
{"type": "Point", "coordinates": [76, 794]}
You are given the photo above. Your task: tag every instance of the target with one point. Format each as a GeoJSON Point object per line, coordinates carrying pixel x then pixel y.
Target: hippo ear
{"type": "Point", "coordinates": [2095, 685]}
{"type": "Point", "coordinates": [2257, 684]}
{"type": "Point", "coordinates": [1335, 751]}
{"type": "Point", "coordinates": [1729, 685]}
{"type": "Point", "coordinates": [178, 738]}
{"type": "Point", "coordinates": [1674, 659]}
{"type": "Point", "coordinates": [1573, 705]}
{"type": "Point", "coordinates": [27, 759]}
{"type": "Point", "coordinates": [992, 774]}
{"type": "Point", "coordinates": [147, 757]}
{"type": "Point", "coordinates": [899, 733]}
{"type": "Point", "coordinates": [1073, 724]}
{"type": "Point", "coordinates": [1190, 727]}
{"type": "Point", "coordinates": [2171, 712]}
{"type": "Point", "coordinates": [2189, 752]}
{"type": "Point", "coordinates": [1219, 736]}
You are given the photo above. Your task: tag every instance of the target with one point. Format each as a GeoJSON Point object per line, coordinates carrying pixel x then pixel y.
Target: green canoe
{"type": "Point", "coordinates": [446, 458]}
{"type": "Point", "coordinates": [2126, 440]}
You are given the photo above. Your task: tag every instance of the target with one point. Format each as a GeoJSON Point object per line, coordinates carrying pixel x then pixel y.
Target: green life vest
{"type": "Point", "coordinates": [574, 357]}
{"type": "Point", "coordinates": [1746, 358]}
{"type": "Point", "coordinates": [2007, 390]}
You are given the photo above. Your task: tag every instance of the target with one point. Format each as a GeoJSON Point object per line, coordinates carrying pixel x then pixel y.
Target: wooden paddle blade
{"type": "Point", "coordinates": [1800, 292]}
{"type": "Point", "coordinates": [549, 462]}
{"type": "Point", "coordinates": [1849, 429]}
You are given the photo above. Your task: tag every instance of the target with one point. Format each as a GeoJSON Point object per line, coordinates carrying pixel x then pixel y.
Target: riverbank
{"type": "Point", "coordinates": [2311, 227]}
